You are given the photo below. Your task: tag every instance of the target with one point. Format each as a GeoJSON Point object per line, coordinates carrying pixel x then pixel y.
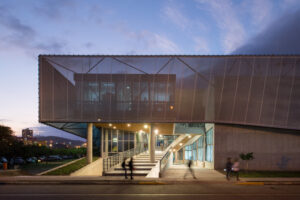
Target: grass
{"type": "Point", "coordinates": [67, 170]}
{"type": "Point", "coordinates": [267, 174]}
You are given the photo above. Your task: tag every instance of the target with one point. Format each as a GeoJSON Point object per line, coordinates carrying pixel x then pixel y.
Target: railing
{"type": "Point", "coordinates": [112, 161]}
{"type": "Point", "coordinates": [163, 163]}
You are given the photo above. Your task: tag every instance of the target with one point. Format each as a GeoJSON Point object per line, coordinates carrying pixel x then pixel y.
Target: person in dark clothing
{"type": "Point", "coordinates": [190, 169]}
{"type": "Point", "coordinates": [124, 167]}
{"type": "Point", "coordinates": [228, 168]}
{"type": "Point", "coordinates": [130, 164]}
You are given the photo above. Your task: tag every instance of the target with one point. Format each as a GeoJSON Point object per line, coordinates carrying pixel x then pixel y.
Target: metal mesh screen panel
{"type": "Point", "coordinates": [253, 90]}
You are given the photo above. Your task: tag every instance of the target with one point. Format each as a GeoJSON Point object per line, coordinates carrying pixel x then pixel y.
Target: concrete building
{"type": "Point", "coordinates": [222, 105]}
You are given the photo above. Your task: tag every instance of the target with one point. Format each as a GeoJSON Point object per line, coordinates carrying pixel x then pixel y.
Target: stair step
{"type": "Point", "coordinates": [136, 168]}
{"type": "Point", "coordinates": [143, 161]}
{"type": "Point", "coordinates": [122, 173]}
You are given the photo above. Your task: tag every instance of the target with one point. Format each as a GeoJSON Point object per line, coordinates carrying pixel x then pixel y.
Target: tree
{"type": "Point", "coordinates": [6, 141]}
{"type": "Point", "coordinates": [246, 157]}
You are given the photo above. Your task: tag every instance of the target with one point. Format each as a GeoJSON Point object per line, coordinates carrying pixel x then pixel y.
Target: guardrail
{"type": "Point", "coordinates": [112, 161]}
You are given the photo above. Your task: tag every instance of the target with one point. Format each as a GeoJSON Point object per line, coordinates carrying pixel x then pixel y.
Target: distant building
{"type": "Point", "coordinates": [27, 134]}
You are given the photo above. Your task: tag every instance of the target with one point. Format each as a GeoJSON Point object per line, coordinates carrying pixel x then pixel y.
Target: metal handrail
{"type": "Point", "coordinates": [116, 159]}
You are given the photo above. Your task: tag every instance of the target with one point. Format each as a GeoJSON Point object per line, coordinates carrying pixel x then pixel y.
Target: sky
{"type": "Point", "coordinates": [205, 27]}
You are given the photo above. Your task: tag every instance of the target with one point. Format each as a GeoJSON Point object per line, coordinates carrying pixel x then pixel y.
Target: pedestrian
{"type": "Point", "coordinates": [236, 168]}
{"type": "Point", "coordinates": [228, 168]}
{"type": "Point", "coordinates": [130, 164]}
{"type": "Point", "coordinates": [190, 169]}
{"type": "Point", "coordinates": [124, 167]}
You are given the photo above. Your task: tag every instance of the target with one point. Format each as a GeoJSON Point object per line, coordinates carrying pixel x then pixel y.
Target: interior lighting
{"type": "Point", "coordinates": [109, 124]}
{"type": "Point", "coordinates": [114, 127]}
{"type": "Point", "coordinates": [128, 125]}
{"type": "Point", "coordinates": [180, 144]}
{"type": "Point", "coordinates": [160, 135]}
{"type": "Point", "coordinates": [99, 119]}
{"type": "Point", "coordinates": [156, 131]}
{"type": "Point", "coordinates": [174, 150]}
{"type": "Point", "coordinates": [189, 136]}
{"type": "Point", "coordinates": [141, 131]}
{"type": "Point", "coordinates": [145, 126]}
{"type": "Point", "coordinates": [171, 107]}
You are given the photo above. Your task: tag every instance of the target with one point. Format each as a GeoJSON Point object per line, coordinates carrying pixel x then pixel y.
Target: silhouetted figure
{"type": "Point", "coordinates": [130, 164]}
{"type": "Point", "coordinates": [228, 168]}
{"type": "Point", "coordinates": [236, 168]}
{"type": "Point", "coordinates": [124, 167]}
{"type": "Point", "coordinates": [190, 169]}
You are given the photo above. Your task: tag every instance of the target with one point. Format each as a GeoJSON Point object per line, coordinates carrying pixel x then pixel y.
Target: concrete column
{"type": "Point", "coordinates": [152, 143]}
{"type": "Point", "coordinates": [102, 142]}
{"type": "Point", "coordinates": [89, 153]}
{"type": "Point", "coordinates": [106, 142]}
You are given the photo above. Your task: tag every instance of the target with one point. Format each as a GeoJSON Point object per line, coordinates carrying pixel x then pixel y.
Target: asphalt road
{"type": "Point", "coordinates": [132, 192]}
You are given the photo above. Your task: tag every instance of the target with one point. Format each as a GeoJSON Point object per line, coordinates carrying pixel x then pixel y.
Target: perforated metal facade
{"type": "Point", "coordinates": [252, 90]}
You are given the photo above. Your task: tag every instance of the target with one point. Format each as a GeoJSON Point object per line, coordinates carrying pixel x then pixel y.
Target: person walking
{"type": "Point", "coordinates": [124, 167]}
{"type": "Point", "coordinates": [228, 168]}
{"type": "Point", "coordinates": [190, 169]}
{"type": "Point", "coordinates": [130, 164]}
{"type": "Point", "coordinates": [236, 168]}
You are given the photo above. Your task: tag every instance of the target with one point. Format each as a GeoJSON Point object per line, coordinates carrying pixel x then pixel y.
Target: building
{"type": "Point", "coordinates": [27, 136]}
{"type": "Point", "coordinates": [222, 105]}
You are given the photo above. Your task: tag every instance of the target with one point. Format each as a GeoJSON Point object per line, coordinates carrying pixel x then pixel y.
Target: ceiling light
{"type": "Point", "coordinates": [109, 124]}
{"type": "Point", "coordinates": [180, 144]}
{"type": "Point", "coordinates": [114, 127]}
{"type": "Point", "coordinates": [156, 131]}
{"type": "Point", "coordinates": [128, 125]}
{"type": "Point", "coordinates": [171, 107]}
{"type": "Point", "coordinates": [190, 136]}
{"type": "Point", "coordinates": [145, 126]}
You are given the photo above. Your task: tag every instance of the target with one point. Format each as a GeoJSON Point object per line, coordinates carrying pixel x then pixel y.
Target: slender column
{"type": "Point", "coordinates": [89, 153]}
{"type": "Point", "coordinates": [106, 142]}
{"type": "Point", "coordinates": [102, 142]}
{"type": "Point", "coordinates": [204, 148]}
{"type": "Point", "coordinates": [176, 154]}
{"type": "Point", "coordinates": [152, 144]}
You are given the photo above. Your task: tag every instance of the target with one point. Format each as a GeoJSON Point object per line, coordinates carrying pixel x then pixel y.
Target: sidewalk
{"type": "Point", "coordinates": [87, 180]}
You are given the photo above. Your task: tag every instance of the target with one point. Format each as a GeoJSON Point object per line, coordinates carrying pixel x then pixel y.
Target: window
{"type": "Point", "coordinates": [209, 146]}
{"type": "Point", "coordinates": [91, 91]}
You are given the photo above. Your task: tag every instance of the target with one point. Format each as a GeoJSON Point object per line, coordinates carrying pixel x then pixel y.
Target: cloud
{"type": "Point", "coordinates": [201, 45]}
{"type": "Point", "coordinates": [16, 34]}
{"type": "Point", "coordinates": [277, 38]}
{"type": "Point", "coordinates": [54, 9]}
{"type": "Point", "coordinates": [19, 30]}
{"type": "Point", "coordinates": [174, 14]}
{"type": "Point", "coordinates": [145, 41]}
{"type": "Point", "coordinates": [233, 32]}
{"type": "Point", "coordinates": [261, 12]}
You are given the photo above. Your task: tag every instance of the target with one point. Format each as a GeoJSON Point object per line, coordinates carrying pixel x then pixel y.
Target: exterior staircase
{"type": "Point", "coordinates": [141, 163]}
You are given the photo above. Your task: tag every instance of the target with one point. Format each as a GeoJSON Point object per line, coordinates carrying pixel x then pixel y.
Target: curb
{"type": "Point", "coordinates": [137, 182]}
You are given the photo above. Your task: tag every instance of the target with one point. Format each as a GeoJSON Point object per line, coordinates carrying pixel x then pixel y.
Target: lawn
{"type": "Point", "coordinates": [33, 168]}
{"type": "Point", "coordinates": [67, 170]}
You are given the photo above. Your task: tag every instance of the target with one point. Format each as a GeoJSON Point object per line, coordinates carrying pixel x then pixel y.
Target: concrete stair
{"type": "Point", "coordinates": [141, 163]}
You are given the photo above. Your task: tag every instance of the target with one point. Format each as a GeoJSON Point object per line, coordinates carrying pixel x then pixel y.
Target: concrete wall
{"type": "Point", "coordinates": [93, 169]}
{"type": "Point", "coordinates": [273, 149]}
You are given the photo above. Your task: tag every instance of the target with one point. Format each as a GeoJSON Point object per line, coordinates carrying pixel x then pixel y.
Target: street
{"type": "Point", "coordinates": [132, 192]}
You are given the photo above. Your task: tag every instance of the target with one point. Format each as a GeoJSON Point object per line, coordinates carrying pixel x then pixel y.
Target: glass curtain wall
{"type": "Point", "coordinates": [117, 140]}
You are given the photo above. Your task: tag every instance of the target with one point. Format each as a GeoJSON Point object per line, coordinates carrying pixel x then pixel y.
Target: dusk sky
{"type": "Point", "coordinates": [32, 27]}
